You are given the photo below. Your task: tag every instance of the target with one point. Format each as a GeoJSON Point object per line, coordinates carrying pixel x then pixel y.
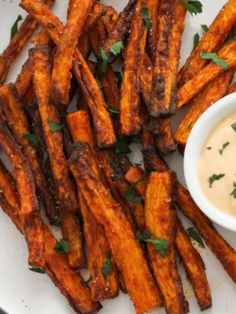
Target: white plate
{"type": "Point", "coordinates": [22, 291]}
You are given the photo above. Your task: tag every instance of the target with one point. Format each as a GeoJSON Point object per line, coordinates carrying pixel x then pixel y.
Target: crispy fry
{"type": "Point", "coordinates": [29, 207]}
{"type": "Point", "coordinates": [121, 28]}
{"type": "Point", "coordinates": [18, 123]}
{"type": "Point", "coordinates": [165, 141]}
{"type": "Point", "coordinates": [96, 243]}
{"type": "Point", "coordinates": [97, 12]}
{"type": "Point", "coordinates": [138, 279]}
{"type": "Point", "coordinates": [162, 225]}
{"type": "Point", "coordinates": [87, 82]}
{"type": "Point", "coordinates": [84, 44]}
{"type": "Point", "coordinates": [17, 43]}
{"type": "Point", "coordinates": [64, 185]}
{"type": "Point", "coordinates": [167, 53]}
{"type": "Point", "coordinates": [211, 41]}
{"type": "Point", "coordinates": [60, 84]}
{"type": "Point", "coordinates": [214, 91]}
{"type": "Point", "coordinates": [130, 119]}
{"type": "Point", "coordinates": [24, 79]}
{"type": "Point", "coordinates": [206, 75]}
{"type": "Point", "coordinates": [146, 77]}
{"type": "Point", "coordinates": [110, 18]}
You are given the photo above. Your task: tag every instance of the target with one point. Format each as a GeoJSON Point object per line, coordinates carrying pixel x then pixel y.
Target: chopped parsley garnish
{"type": "Point", "coordinates": [37, 270]}
{"type": "Point", "coordinates": [32, 138]}
{"type": "Point", "coordinates": [190, 126]}
{"type": "Point", "coordinates": [62, 247]}
{"type": "Point", "coordinates": [146, 18]}
{"type": "Point", "coordinates": [107, 266]}
{"type": "Point", "coordinates": [233, 193]}
{"type": "Point", "coordinates": [14, 28]}
{"type": "Point", "coordinates": [233, 126]}
{"type": "Point", "coordinates": [57, 221]}
{"type": "Point", "coordinates": [55, 126]}
{"type": "Point", "coordinates": [161, 245]}
{"type": "Point", "coordinates": [117, 48]}
{"type": "Point", "coordinates": [196, 40]}
{"type": "Point", "coordinates": [112, 110]}
{"type": "Point", "coordinates": [223, 147]}
{"type": "Point", "coordinates": [214, 58]}
{"type": "Point", "coordinates": [205, 28]}
{"type": "Point", "coordinates": [122, 146]}
{"type": "Point", "coordinates": [193, 7]}
{"type": "Point", "coordinates": [195, 236]}
{"type": "Point", "coordinates": [103, 56]}
{"type": "Point", "coordinates": [214, 178]}
{"type": "Point", "coordinates": [130, 195]}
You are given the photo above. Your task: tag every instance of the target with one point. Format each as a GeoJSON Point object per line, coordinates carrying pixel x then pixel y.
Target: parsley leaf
{"type": "Point", "coordinates": [62, 247]}
{"type": "Point", "coordinates": [112, 110]}
{"type": "Point", "coordinates": [107, 266]}
{"type": "Point", "coordinates": [14, 28]}
{"type": "Point", "coordinates": [205, 28]}
{"type": "Point", "coordinates": [196, 40]}
{"type": "Point", "coordinates": [214, 58]}
{"type": "Point", "coordinates": [117, 48]}
{"type": "Point", "coordinates": [57, 221]}
{"type": "Point", "coordinates": [215, 177]}
{"type": "Point", "coordinates": [54, 126]}
{"type": "Point", "coordinates": [122, 146]}
{"type": "Point", "coordinates": [194, 7]}
{"type": "Point", "coordinates": [32, 138]}
{"type": "Point", "coordinates": [233, 193]}
{"type": "Point", "coordinates": [130, 195]}
{"type": "Point", "coordinates": [37, 270]}
{"type": "Point", "coordinates": [161, 245]}
{"type": "Point", "coordinates": [146, 18]}
{"type": "Point", "coordinates": [223, 147]}
{"type": "Point", "coordinates": [195, 236]}
{"type": "Point", "coordinates": [103, 56]}
{"type": "Point", "coordinates": [233, 126]}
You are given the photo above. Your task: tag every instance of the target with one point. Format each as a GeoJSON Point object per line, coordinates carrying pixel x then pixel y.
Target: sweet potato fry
{"type": "Point", "coordinates": [121, 28]}
{"type": "Point", "coordinates": [162, 225]}
{"type": "Point", "coordinates": [214, 91]}
{"type": "Point", "coordinates": [97, 12]}
{"type": "Point", "coordinates": [124, 246]}
{"type": "Point", "coordinates": [18, 123]}
{"type": "Point", "coordinates": [211, 41]}
{"type": "Point", "coordinates": [84, 44]}
{"type": "Point", "coordinates": [60, 82]}
{"type": "Point", "coordinates": [146, 77]}
{"type": "Point", "coordinates": [29, 207]}
{"type": "Point", "coordinates": [167, 53]}
{"type": "Point", "coordinates": [17, 43]}
{"type": "Point", "coordinates": [206, 75]}
{"type": "Point", "coordinates": [232, 89]}
{"type": "Point", "coordinates": [87, 82]}
{"type": "Point", "coordinates": [130, 119]}
{"type": "Point", "coordinates": [109, 19]}
{"type": "Point", "coordinates": [53, 138]}
{"type": "Point", "coordinates": [165, 141]}
{"type": "Point", "coordinates": [96, 243]}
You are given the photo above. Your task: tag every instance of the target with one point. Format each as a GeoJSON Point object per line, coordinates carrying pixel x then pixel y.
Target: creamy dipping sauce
{"type": "Point", "coordinates": [217, 166]}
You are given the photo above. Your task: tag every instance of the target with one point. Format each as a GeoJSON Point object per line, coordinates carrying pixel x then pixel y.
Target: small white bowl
{"type": "Point", "coordinates": [197, 139]}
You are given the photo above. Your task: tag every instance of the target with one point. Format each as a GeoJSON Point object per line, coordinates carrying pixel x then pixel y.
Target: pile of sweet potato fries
{"type": "Point", "coordinates": [116, 219]}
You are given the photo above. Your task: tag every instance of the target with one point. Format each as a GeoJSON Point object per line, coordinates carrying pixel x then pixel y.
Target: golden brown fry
{"type": "Point", "coordinates": [97, 246]}
{"type": "Point", "coordinates": [97, 12]}
{"type": "Point", "coordinates": [60, 81]}
{"type": "Point", "coordinates": [214, 91]}
{"type": "Point", "coordinates": [17, 43]}
{"type": "Point", "coordinates": [206, 75]}
{"type": "Point", "coordinates": [18, 123]}
{"type": "Point", "coordinates": [53, 138]}
{"type": "Point", "coordinates": [211, 41]}
{"type": "Point", "coordinates": [161, 222]}
{"type": "Point", "coordinates": [121, 28]}
{"type": "Point", "coordinates": [110, 18]}
{"type": "Point", "coordinates": [165, 141]}
{"type": "Point", "coordinates": [130, 119]}
{"type": "Point", "coordinates": [124, 246]}
{"type": "Point", "coordinates": [29, 207]}
{"type": "Point", "coordinates": [84, 44]}
{"type": "Point", "coordinates": [102, 121]}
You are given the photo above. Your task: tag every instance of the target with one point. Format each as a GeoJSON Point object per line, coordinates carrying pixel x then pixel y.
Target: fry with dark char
{"type": "Point", "coordinates": [167, 53]}
{"type": "Point", "coordinates": [125, 248]}
{"type": "Point", "coordinates": [97, 246]}
{"type": "Point", "coordinates": [121, 28]}
{"type": "Point", "coordinates": [60, 81]}
{"type": "Point", "coordinates": [232, 89]}
{"type": "Point", "coordinates": [130, 119]}
{"type": "Point", "coordinates": [207, 74]}
{"type": "Point", "coordinates": [29, 207]}
{"type": "Point", "coordinates": [214, 91]}
{"type": "Point", "coordinates": [161, 222]}
{"type": "Point", "coordinates": [102, 121]}
{"type": "Point", "coordinates": [165, 141]}
{"type": "Point", "coordinates": [17, 43]}
{"type": "Point", "coordinates": [211, 41]}
{"type": "Point", "coordinates": [64, 186]}
{"type": "Point", "coordinates": [152, 7]}
{"type": "Point", "coordinates": [19, 125]}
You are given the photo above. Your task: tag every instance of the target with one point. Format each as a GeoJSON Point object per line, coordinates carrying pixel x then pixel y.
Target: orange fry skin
{"type": "Point", "coordinates": [214, 91]}
{"type": "Point", "coordinates": [206, 75]}
{"type": "Point", "coordinates": [161, 222]}
{"type": "Point", "coordinates": [24, 79]}
{"type": "Point", "coordinates": [165, 141]}
{"type": "Point", "coordinates": [211, 41]}
{"type": "Point", "coordinates": [60, 81]}
{"type": "Point", "coordinates": [124, 246]}
{"type": "Point", "coordinates": [29, 207]}
{"type": "Point", "coordinates": [110, 18]}
{"type": "Point", "coordinates": [64, 185]}
{"type": "Point", "coordinates": [232, 89]}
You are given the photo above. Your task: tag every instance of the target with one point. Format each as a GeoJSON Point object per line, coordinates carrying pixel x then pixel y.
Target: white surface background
{"type": "Point", "coordinates": [25, 292]}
